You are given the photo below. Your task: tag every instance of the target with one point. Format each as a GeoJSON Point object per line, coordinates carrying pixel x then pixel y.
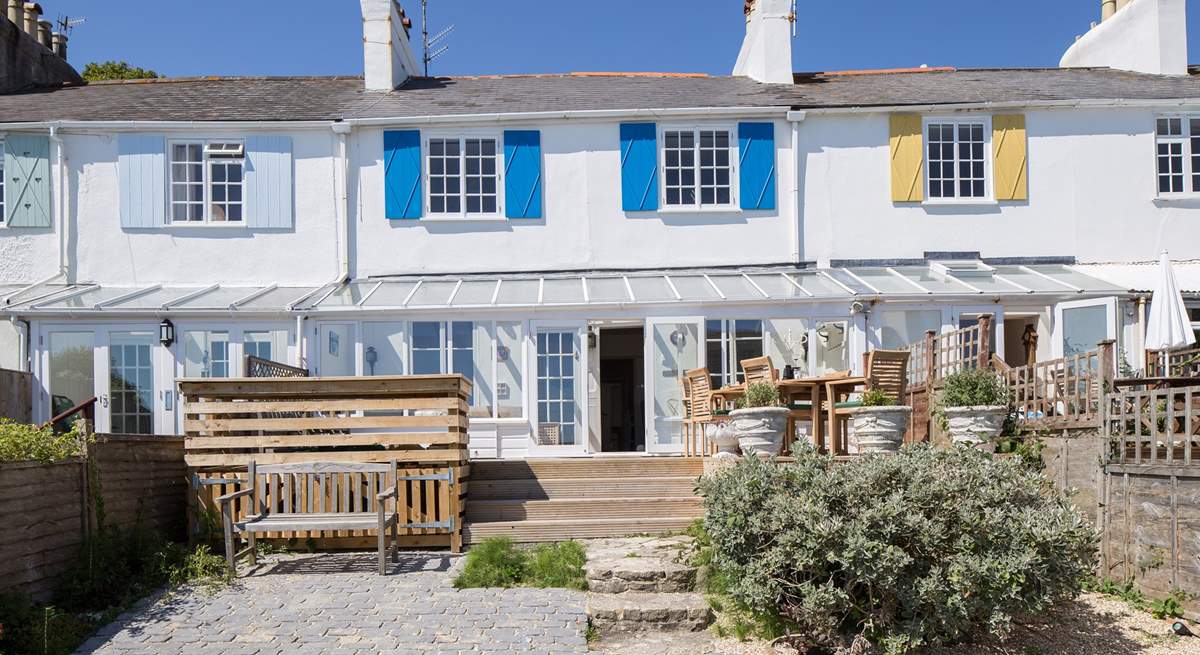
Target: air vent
{"type": "Point", "coordinates": [969, 268]}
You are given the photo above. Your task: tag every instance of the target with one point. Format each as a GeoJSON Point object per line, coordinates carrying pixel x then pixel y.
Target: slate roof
{"type": "Point", "coordinates": [334, 98]}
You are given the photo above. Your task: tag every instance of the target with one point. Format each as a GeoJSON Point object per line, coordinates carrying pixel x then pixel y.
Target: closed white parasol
{"type": "Point", "coordinates": [1168, 327]}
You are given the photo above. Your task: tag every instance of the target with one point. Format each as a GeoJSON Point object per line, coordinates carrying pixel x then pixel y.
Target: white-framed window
{"type": "Point", "coordinates": [463, 176]}
{"type": "Point", "coordinates": [727, 343]}
{"type": "Point", "coordinates": [1194, 315]}
{"type": "Point", "coordinates": [207, 181]}
{"type": "Point", "coordinates": [1177, 154]}
{"type": "Point", "coordinates": [266, 344]}
{"type": "Point", "coordinates": [463, 347]}
{"type": "Point", "coordinates": [206, 354]}
{"type": "Point", "coordinates": [698, 166]}
{"type": "Point", "coordinates": [957, 158]}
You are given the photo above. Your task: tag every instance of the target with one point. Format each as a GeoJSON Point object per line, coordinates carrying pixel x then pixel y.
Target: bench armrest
{"type": "Point", "coordinates": [234, 495]}
{"type": "Point", "coordinates": [390, 493]}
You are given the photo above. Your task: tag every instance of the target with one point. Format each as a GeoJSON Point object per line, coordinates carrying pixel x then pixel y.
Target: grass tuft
{"type": "Point", "coordinates": [498, 562]}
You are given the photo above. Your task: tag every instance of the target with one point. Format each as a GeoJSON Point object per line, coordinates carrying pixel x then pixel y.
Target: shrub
{"type": "Point", "coordinates": [23, 442]}
{"type": "Point", "coordinates": [877, 398]}
{"type": "Point", "coordinates": [760, 394]}
{"type": "Point", "coordinates": [494, 563]}
{"type": "Point", "coordinates": [911, 550]}
{"type": "Point", "coordinates": [558, 566]}
{"type": "Point", "coordinates": [972, 388]}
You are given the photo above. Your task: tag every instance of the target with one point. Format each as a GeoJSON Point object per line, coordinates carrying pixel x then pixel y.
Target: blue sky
{"type": "Point", "coordinates": [323, 37]}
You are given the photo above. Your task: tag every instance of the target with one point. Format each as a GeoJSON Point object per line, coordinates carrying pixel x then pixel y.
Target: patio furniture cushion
{"type": "Point", "coordinates": [849, 404]}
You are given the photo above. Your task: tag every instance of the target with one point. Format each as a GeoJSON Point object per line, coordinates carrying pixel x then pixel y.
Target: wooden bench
{"type": "Point", "coordinates": [285, 508]}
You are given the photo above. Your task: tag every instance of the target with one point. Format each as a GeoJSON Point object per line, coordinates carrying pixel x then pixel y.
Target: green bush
{"type": "Point", "coordinates": [911, 550]}
{"type": "Point", "coordinates": [877, 398]}
{"type": "Point", "coordinates": [973, 388]}
{"type": "Point", "coordinates": [23, 442]}
{"type": "Point", "coordinates": [498, 562]}
{"type": "Point", "coordinates": [760, 394]}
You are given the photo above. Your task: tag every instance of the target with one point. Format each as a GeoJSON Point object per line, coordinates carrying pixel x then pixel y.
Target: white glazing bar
{"type": "Point", "coordinates": [368, 295]}
{"type": "Point", "coordinates": [43, 296]}
{"type": "Point", "coordinates": [496, 291]}
{"type": "Point", "coordinates": [913, 283]}
{"type": "Point", "coordinates": [671, 283]}
{"type": "Point", "coordinates": [796, 284]}
{"type": "Point", "coordinates": [189, 296]}
{"type": "Point", "coordinates": [583, 284]}
{"type": "Point", "coordinates": [450, 300]}
{"type": "Point", "coordinates": [126, 296]}
{"type": "Point", "coordinates": [308, 294]}
{"type": "Point", "coordinates": [629, 289]}
{"type": "Point", "coordinates": [541, 289]}
{"type": "Point", "coordinates": [859, 280]}
{"type": "Point", "coordinates": [714, 286]}
{"type": "Point", "coordinates": [1010, 283]}
{"type": "Point", "coordinates": [77, 292]}
{"type": "Point", "coordinates": [1072, 287]}
{"type": "Point", "coordinates": [326, 295]}
{"type": "Point", "coordinates": [827, 276]}
{"type": "Point", "coordinates": [756, 287]}
{"type": "Point", "coordinates": [412, 293]}
{"type": "Point", "coordinates": [257, 293]}
{"type": "Point", "coordinates": [964, 283]}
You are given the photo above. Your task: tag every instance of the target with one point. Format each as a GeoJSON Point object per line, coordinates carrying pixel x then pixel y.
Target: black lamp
{"type": "Point", "coordinates": [166, 333]}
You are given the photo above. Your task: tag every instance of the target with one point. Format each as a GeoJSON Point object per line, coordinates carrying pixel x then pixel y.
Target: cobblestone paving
{"type": "Point", "coordinates": [336, 604]}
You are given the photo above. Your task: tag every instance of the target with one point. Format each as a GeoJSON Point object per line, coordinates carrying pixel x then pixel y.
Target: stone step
{"type": "Point", "coordinates": [648, 612]}
{"type": "Point", "coordinates": [562, 530]}
{"type": "Point", "coordinates": [583, 487]}
{"type": "Point", "coordinates": [644, 564]}
{"type": "Point", "coordinates": [590, 467]}
{"type": "Point", "coordinates": [484, 510]}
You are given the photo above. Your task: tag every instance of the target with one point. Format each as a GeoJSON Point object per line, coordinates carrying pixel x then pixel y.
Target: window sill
{"type": "Point", "coordinates": [1182, 198]}
{"type": "Point", "coordinates": [966, 202]}
{"type": "Point", "coordinates": [462, 219]}
{"type": "Point", "coordinates": [722, 209]}
{"type": "Point", "coordinates": [205, 225]}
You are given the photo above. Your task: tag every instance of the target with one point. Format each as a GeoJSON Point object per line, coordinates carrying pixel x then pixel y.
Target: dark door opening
{"type": "Point", "coordinates": [622, 390]}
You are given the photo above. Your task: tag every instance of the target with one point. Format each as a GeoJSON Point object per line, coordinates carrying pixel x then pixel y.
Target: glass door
{"type": "Point", "coordinates": [1080, 325]}
{"type": "Point", "coordinates": [70, 377]}
{"type": "Point", "coordinates": [673, 347]}
{"type": "Point", "coordinates": [335, 353]}
{"type": "Point", "coordinates": [558, 393]}
{"type": "Point", "coordinates": [131, 391]}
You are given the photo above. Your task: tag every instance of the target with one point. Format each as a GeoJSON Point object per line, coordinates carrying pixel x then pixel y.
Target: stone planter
{"type": "Point", "coordinates": [880, 429]}
{"type": "Point", "coordinates": [976, 426]}
{"type": "Point", "coordinates": [723, 436]}
{"type": "Point", "coordinates": [760, 430]}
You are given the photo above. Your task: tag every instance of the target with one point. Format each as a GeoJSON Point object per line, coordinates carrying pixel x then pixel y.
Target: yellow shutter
{"type": "Point", "coordinates": [908, 157]}
{"type": "Point", "coordinates": [1010, 157]}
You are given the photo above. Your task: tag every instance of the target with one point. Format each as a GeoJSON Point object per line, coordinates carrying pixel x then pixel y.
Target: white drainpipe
{"type": "Point", "coordinates": [797, 228]}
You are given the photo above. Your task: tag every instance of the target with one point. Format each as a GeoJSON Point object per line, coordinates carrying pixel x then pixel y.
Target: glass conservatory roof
{"type": "Point", "coordinates": [777, 284]}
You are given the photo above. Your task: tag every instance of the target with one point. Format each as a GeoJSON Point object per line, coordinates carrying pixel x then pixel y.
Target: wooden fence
{"type": "Point", "coordinates": [935, 357]}
{"type": "Point", "coordinates": [1173, 363]}
{"type": "Point", "coordinates": [1062, 393]}
{"type": "Point", "coordinates": [16, 395]}
{"type": "Point", "coordinates": [1157, 426]}
{"type": "Point", "coordinates": [257, 367]}
{"type": "Point", "coordinates": [419, 421]}
{"type": "Point", "coordinates": [47, 511]}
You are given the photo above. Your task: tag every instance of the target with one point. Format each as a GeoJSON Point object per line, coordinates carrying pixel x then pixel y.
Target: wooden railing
{"type": "Point", "coordinates": [419, 421]}
{"type": "Point", "coordinates": [1062, 393]}
{"type": "Point", "coordinates": [1160, 426]}
{"type": "Point", "coordinates": [1173, 363]}
{"type": "Point", "coordinates": [85, 410]}
{"type": "Point", "coordinates": [256, 367]}
{"type": "Point", "coordinates": [937, 356]}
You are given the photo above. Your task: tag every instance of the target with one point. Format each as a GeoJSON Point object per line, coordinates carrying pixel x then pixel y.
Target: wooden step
{"type": "Point", "coordinates": [582, 487]}
{"type": "Point", "coordinates": [597, 467]}
{"type": "Point", "coordinates": [582, 508]}
{"type": "Point", "coordinates": [562, 530]}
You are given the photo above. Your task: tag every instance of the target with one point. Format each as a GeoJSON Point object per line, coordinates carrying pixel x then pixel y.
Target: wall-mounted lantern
{"type": "Point", "coordinates": [166, 332]}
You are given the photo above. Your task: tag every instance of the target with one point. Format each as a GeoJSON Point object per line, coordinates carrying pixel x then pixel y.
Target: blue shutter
{"type": "Point", "coordinates": [269, 182]}
{"type": "Point", "coordinates": [639, 167]}
{"type": "Point", "coordinates": [27, 183]}
{"type": "Point", "coordinates": [141, 173]}
{"type": "Point", "coordinates": [756, 145]}
{"type": "Point", "coordinates": [522, 173]}
{"type": "Point", "coordinates": [402, 174]}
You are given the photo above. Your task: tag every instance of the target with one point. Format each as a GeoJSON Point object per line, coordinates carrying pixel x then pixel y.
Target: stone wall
{"type": "Point", "coordinates": [26, 64]}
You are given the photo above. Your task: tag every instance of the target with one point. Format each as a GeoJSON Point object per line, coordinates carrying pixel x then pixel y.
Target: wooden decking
{"type": "Point", "coordinates": [556, 499]}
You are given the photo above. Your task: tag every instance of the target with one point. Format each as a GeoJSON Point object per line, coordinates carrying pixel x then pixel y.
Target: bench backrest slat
{"type": "Point", "coordinates": [325, 467]}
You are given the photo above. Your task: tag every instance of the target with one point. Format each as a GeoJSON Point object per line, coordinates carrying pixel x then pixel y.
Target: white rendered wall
{"type": "Point", "coordinates": [583, 225]}
{"type": "Point", "coordinates": [1092, 195]}
{"type": "Point", "coordinates": [184, 255]}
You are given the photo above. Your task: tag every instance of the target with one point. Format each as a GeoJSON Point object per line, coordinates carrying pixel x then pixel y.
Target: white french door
{"type": "Point", "coordinates": [336, 350]}
{"type": "Point", "coordinates": [673, 347]}
{"type": "Point", "coordinates": [1081, 324]}
{"type": "Point", "coordinates": [560, 409]}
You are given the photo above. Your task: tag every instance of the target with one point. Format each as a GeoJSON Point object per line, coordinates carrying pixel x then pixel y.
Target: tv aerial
{"type": "Point", "coordinates": [431, 42]}
{"type": "Point", "coordinates": [65, 23]}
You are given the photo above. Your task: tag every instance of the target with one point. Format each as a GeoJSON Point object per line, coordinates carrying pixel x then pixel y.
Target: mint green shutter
{"type": "Point", "coordinates": [27, 180]}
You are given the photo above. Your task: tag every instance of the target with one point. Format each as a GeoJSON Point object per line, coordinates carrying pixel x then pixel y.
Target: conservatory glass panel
{"type": "Point", "coordinates": [694, 287]}
{"type": "Point", "coordinates": [563, 291]}
{"type": "Point", "coordinates": [349, 295]}
{"type": "Point", "coordinates": [651, 289]}
{"type": "Point", "coordinates": [607, 289]}
{"type": "Point", "coordinates": [391, 294]}
{"type": "Point", "coordinates": [884, 281]}
{"type": "Point", "coordinates": [219, 298]}
{"type": "Point", "coordinates": [777, 286]}
{"type": "Point", "coordinates": [433, 294]}
{"type": "Point", "coordinates": [474, 293]}
{"type": "Point", "coordinates": [518, 292]}
{"type": "Point", "coordinates": [276, 298]}
{"type": "Point", "coordinates": [736, 287]}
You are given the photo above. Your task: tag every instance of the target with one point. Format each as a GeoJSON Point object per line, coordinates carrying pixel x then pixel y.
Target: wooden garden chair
{"type": "Point", "coordinates": [759, 369]}
{"type": "Point", "coordinates": [885, 370]}
{"type": "Point", "coordinates": [699, 384]}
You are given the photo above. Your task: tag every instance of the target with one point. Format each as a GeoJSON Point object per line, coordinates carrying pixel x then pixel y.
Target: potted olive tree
{"type": "Point", "coordinates": [879, 423]}
{"type": "Point", "coordinates": [760, 420]}
{"type": "Point", "coordinates": [972, 407]}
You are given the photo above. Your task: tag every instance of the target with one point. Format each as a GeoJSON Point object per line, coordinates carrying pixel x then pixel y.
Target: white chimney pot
{"type": "Point", "coordinates": [766, 54]}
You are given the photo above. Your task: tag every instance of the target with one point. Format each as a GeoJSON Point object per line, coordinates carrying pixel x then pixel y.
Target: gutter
{"type": "Point", "coordinates": [1149, 103]}
{"type": "Point", "coordinates": [166, 125]}
{"type": "Point", "coordinates": [580, 114]}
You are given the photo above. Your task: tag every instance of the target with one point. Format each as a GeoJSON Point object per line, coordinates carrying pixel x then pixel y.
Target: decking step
{"type": "Point", "coordinates": [599, 467]}
{"type": "Point", "coordinates": [550, 489]}
{"type": "Point", "coordinates": [581, 508]}
{"type": "Point", "coordinates": [564, 529]}
{"type": "Point", "coordinates": [645, 612]}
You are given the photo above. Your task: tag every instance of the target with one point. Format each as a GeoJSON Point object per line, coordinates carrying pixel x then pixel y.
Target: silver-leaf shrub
{"type": "Point", "coordinates": [912, 550]}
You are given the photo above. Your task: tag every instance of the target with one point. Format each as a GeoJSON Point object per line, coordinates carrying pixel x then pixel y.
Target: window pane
{"type": "Point", "coordinates": [509, 372]}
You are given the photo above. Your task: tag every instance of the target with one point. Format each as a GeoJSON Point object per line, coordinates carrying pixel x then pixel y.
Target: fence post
{"type": "Point", "coordinates": [930, 357]}
{"type": "Point", "coordinates": [1107, 364]}
{"type": "Point", "coordinates": [985, 341]}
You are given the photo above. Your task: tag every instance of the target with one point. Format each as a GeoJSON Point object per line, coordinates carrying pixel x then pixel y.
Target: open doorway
{"type": "Point", "coordinates": [622, 390]}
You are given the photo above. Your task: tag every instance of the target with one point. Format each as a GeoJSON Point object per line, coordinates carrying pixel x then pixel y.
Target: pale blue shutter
{"type": "Point", "coordinates": [639, 167]}
{"type": "Point", "coordinates": [27, 183]}
{"type": "Point", "coordinates": [269, 181]}
{"type": "Point", "coordinates": [522, 174]}
{"type": "Point", "coordinates": [141, 174]}
{"type": "Point", "coordinates": [402, 174]}
{"type": "Point", "coordinates": [756, 145]}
